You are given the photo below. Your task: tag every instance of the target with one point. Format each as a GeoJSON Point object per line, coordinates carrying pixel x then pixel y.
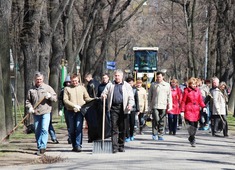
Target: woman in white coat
{"type": "Point", "coordinates": [218, 117]}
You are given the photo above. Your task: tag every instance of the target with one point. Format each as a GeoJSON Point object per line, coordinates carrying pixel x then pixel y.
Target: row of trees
{"type": "Point", "coordinates": [189, 34]}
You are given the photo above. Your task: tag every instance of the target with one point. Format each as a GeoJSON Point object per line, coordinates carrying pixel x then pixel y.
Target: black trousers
{"type": "Point", "coordinates": [219, 123]}
{"type": "Point", "coordinates": [192, 129]}
{"type": "Point", "coordinates": [118, 119]}
{"type": "Point", "coordinates": [130, 124]}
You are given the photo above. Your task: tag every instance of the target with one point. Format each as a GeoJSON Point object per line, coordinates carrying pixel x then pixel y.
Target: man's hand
{"type": "Point", "coordinates": [31, 110]}
{"type": "Point", "coordinates": [129, 107]}
{"type": "Point", "coordinates": [60, 113]}
{"type": "Point", "coordinates": [48, 95]}
{"type": "Point", "coordinates": [104, 96]}
{"type": "Point", "coordinates": [76, 108]}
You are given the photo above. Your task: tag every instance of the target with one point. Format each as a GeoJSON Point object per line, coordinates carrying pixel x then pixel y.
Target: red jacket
{"type": "Point", "coordinates": [176, 100]}
{"type": "Point", "coordinates": [191, 104]}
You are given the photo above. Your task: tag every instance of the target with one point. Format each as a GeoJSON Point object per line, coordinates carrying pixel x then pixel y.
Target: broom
{"type": "Point", "coordinates": [103, 146]}
{"type": "Point", "coordinates": [12, 131]}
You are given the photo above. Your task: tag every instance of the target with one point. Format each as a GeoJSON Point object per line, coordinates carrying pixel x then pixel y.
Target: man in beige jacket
{"type": "Point", "coordinates": [75, 96]}
{"type": "Point", "coordinates": [160, 99]}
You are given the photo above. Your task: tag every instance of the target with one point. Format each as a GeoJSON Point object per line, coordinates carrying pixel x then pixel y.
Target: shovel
{"type": "Point", "coordinates": [102, 146]}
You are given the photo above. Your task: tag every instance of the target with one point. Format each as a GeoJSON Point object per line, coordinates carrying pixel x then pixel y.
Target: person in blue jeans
{"type": "Point", "coordinates": [51, 131]}
{"type": "Point", "coordinates": [38, 102]}
{"type": "Point", "coordinates": [61, 106]}
{"type": "Point", "coordinates": [75, 96]}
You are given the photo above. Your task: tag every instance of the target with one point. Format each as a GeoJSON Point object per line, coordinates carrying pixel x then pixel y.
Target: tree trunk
{"type": "Point", "coordinates": [6, 117]}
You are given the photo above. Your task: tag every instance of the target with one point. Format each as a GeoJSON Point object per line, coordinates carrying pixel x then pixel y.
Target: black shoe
{"type": "Point", "coordinates": [55, 141]}
{"type": "Point", "coordinates": [121, 150]}
{"type": "Point", "coordinates": [115, 151]}
{"type": "Point", "coordinates": [193, 144]}
{"type": "Point", "coordinates": [69, 141]}
{"type": "Point", "coordinates": [77, 149]}
{"type": "Point", "coordinates": [40, 152]}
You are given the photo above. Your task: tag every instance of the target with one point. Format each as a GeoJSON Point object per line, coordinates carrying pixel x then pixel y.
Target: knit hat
{"type": "Point", "coordinates": [67, 79]}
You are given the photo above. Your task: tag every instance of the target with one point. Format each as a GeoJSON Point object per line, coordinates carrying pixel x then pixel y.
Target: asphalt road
{"type": "Point", "coordinates": [174, 152]}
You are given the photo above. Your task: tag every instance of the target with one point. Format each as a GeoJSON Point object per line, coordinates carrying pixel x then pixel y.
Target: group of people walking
{"type": "Point", "coordinates": [127, 103]}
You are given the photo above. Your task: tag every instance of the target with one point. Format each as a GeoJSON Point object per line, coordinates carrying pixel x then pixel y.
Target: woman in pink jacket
{"type": "Point", "coordinates": [175, 111]}
{"type": "Point", "coordinates": [191, 104]}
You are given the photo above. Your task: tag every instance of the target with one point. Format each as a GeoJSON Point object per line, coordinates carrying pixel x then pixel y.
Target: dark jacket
{"type": "Point", "coordinates": [92, 88]}
{"type": "Point", "coordinates": [101, 89]}
{"type": "Point", "coordinates": [136, 107]}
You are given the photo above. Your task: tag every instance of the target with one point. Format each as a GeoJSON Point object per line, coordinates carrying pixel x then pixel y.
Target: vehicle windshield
{"type": "Point", "coordinates": [145, 60]}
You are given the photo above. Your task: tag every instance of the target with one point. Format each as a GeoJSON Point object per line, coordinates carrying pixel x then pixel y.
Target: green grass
{"type": "Point", "coordinates": [231, 122]}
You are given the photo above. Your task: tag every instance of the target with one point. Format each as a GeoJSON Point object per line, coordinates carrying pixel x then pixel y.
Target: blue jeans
{"type": "Point", "coordinates": [52, 131]}
{"type": "Point", "coordinates": [41, 124]}
{"type": "Point", "coordinates": [75, 128]}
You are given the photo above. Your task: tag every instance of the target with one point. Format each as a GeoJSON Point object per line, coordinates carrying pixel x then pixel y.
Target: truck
{"type": "Point", "coordinates": [145, 64]}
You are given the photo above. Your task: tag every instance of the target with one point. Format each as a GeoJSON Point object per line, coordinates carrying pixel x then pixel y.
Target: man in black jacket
{"type": "Point", "coordinates": [92, 85]}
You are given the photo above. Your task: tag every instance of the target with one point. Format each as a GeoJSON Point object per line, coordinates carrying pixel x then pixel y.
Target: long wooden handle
{"type": "Point", "coordinates": [103, 121]}
{"type": "Point", "coordinates": [24, 118]}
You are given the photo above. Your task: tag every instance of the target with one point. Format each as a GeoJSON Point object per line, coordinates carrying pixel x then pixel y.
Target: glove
{"type": "Point", "coordinates": [48, 95]}
{"type": "Point", "coordinates": [204, 110]}
{"type": "Point", "coordinates": [31, 110]}
{"type": "Point", "coordinates": [60, 113]}
{"type": "Point", "coordinates": [182, 114]}
{"type": "Point", "coordinates": [76, 108]}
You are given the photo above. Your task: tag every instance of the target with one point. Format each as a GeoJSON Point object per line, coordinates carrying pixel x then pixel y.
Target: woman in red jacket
{"type": "Point", "coordinates": [191, 104]}
{"type": "Point", "coordinates": [175, 111]}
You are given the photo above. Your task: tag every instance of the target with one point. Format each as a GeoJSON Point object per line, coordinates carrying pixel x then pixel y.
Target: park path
{"type": "Point", "coordinates": [174, 152]}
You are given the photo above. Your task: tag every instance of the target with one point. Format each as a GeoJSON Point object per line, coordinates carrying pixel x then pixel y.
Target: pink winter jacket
{"type": "Point", "coordinates": [191, 104]}
{"type": "Point", "coordinates": [176, 100]}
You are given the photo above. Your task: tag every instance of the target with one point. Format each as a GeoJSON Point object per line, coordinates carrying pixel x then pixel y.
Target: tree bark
{"type": "Point", "coordinates": [6, 116]}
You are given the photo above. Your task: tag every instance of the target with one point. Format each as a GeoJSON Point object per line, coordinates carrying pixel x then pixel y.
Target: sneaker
{"type": "Point", "coordinates": [154, 137]}
{"type": "Point", "coordinates": [201, 128]}
{"type": "Point", "coordinates": [40, 152]}
{"type": "Point", "coordinates": [55, 141]}
{"type": "Point", "coordinates": [160, 138]}
{"type": "Point", "coordinates": [132, 138]}
{"type": "Point", "coordinates": [206, 128]}
{"type": "Point", "coordinates": [193, 144]}
{"type": "Point", "coordinates": [121, 150]}
{"type": "Point", "coordinates": [69, 141]}
{"type": "Point", "coordinates": [115, 151]}
{"type": "Point", "coordinates": [127, 140]}
{"type": "Point", "coordinates": [179, 127]}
